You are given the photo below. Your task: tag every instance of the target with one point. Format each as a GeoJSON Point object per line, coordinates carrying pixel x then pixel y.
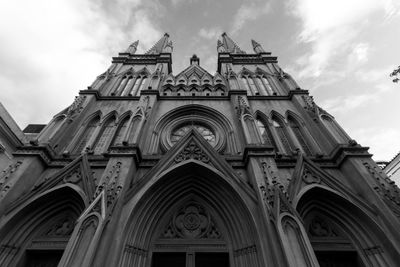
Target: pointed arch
{"type": "Point", "coordinates": [264, 130]}
{"type": "Point", "coordinates": [296, 244]}
{"type": "Point", "coordinates": [177, 186]}
{"type": "Point", "coordinates": [106, 131]}
{"type": "Point", "coordinates": [37, 223]}
{"type": "Point", "coordinates": [207, 79]}
{"type": "Point", "coordinates": [121, 129]}
{"type": "Point", "coordinates": [233, 82]}
{"type": "Point", "coordinates": [135, 126]}
{"type": "Point", "coordinates": [169, 79]}
{"type": "Point", "coordinates": [263, 81]}
{"type": "Point", "coordinates": [87, 130]}
{"type": "Point", "coordinates": [278, 124]}
{"type": "Point", "coordinates": [218, 79]}
{"type": "Point", "coordinates": [338, 134]}
{"type": "Point", "coordinates": [181, 80]}
{"type": "Point", "coordinates": [301, 135]}
{"type": "Point", "coordinates": [357, 231]}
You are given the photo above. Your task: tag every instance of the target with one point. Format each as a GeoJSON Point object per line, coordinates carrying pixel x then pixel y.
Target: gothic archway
{"type": "Point", "coordinates": [39, 232]}
{"type": "Point", "coordinates": [341, 233]}
{"type": "Point", "coordinates": [192, 210]}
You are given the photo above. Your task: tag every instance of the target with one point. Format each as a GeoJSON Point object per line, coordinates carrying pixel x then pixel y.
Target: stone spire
{"type": "Point", "coordinates": [132, 48]}
{"type": "Point", "coordinates": [220, 47]}
{"type": "Point", "coordinates": [162, 46]}
{"type": "Point", "coordinates": [257, 47]}
{"type": "Point", "coordinates": [230, 46]}
{"type": "Point", "coordinates": [168, 47]}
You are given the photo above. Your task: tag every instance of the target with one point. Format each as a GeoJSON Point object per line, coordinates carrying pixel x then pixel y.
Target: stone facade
{"type": "Point", "coordinates": [239, 168]}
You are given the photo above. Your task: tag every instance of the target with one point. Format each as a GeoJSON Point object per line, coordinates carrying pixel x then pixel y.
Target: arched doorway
{"type": "Point", "coordinates": [341, 234]}
{"type": "Point", "coordinates": [38, 234]}
{"type": "Point", "coordinates": [191, 216]}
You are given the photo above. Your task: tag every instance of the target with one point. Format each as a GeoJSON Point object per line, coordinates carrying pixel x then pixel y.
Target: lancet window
{"type": "Point", "coordinates": [298, 132]}
{"type": "Point", "coordinates": [119, 136]}
{"type": "Point", "coordinates": [104, 136]}
{"type": "Point", "coordinates": [256, 85]}
{"type": "Point", "coordinates": [130, 85]}
{"type": "Point", "coordinates": [86, 135]}
{"type": "Point", "coordinates": [281, 131]}
{"type": "Point", "coordinates": [334, 129]}
{"type": "Point", "coordinates": [265, 86]}
{"type": "Point", "coordinates": [265, 133]}
{"type": "Point", "coordinates": [246, 85]}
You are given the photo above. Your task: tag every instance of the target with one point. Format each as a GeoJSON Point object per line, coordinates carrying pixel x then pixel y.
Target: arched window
{"type": "Point", "coordinates": [281, 131]}
{"type": "Point", "coordinates": [128, 86]}
{"type": "Point", "coordinates": [143, 82]}
{"type": "Point", "coordinates": [253, 86]}
{"type": "Point", "coordinates": [85, 137]}
{"type": "Point", "coordinates": [136, 86]}
{"type": "Point", "coordinates": [121, 85]}
{"type": "Point", "coordinates": [104, 136]}
{"type": "Point", "coordinates": [268, 86]}
{"type": "Point", "coordinates": [265, 133]}
{"type": "Point", "coordinates": [337, 133]}
{"type": "Point", "coordinates": [246, 85]}
{"type": "Point", "coordinates": [298, 132]}
{"type": "Point", "coordinates": [118, 137]}
{"type": "Point", "coordinates": [233, 83]}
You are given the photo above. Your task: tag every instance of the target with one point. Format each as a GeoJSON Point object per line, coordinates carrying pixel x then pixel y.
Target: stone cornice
{"type": "Point", "coordinates": [147, 59]}
{"type": "Point", "coordinates": [245, 59]}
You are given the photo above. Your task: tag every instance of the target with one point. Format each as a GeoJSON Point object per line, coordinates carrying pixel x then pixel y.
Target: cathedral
{"type": "Point", "coordinates": [147, 168]}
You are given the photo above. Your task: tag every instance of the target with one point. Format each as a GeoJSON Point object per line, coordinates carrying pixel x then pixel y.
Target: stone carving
{"type": "Point", "coordinates": [5, 177]}
{"type": "Point", "coordinates": [320, 228]}
{"type": "Point", "coordinates": [76, 107]}
{"type": "Point", "coordinates": [384, 186]}
{"type": "Point", "coordinates": [73, 177]}
{"type": "Point", "coordinates": [309, 178]}
{"type": "Point", "coordinates": [111, 186]}
{"type": "Point", "coordinates": [309, 101]}
{"type": "Point", "coordinates": [243, 107]}
{"type": "Point", "coordinates": [136, 250]}
{"type": "Point", "coordinates": [245, 251]}
{"type": "Point", "coordinates": [61, 228]}
{"type": "Point", "coordinates": [192, 222]}
{"type": "Point", "coordinates": [192, 151]}
{"type": "Point", "coordinates": [373, 250]}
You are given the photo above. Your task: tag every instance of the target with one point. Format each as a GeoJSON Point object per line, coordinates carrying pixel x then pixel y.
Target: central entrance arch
{"type": "Point", "coordinates": [192, 216]}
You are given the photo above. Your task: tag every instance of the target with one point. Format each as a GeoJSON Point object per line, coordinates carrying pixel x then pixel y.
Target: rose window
{"type": "Point", "coordinates": [207, 134]}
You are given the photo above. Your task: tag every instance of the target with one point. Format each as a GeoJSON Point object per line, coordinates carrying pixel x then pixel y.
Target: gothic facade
{"type": "Point", "coordinates": [239, 168]}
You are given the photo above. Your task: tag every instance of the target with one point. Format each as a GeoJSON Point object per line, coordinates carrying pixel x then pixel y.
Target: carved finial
{"type": "Point", "coordinates": [168, 47]}
{"type": "Point", "coordinates": [194, 60]}
{"type": "Point", "coordinates": [257, 47]}
{"type": "Point", "coordinates": [132, 48]}
{"type": "Point", "coordinates": [230, 46]}
{"type": "Point", "coordinates": [220, 47]}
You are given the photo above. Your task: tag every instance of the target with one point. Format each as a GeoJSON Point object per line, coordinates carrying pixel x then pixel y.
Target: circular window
{"type": "Point", "coordinates": [207, 134]}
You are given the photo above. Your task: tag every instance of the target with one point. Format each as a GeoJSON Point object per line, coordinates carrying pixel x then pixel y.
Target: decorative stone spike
{"type": "Point", "coordinates": [132, 48]}
{"type": "Point", "coordinates": [257, 47]}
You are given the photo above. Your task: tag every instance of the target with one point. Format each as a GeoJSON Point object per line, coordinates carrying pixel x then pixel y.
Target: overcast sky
{"type": "Point", "coordinates": [341, 50]}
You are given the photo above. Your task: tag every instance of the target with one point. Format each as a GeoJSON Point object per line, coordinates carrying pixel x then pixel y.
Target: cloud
{"type": "Point", "coordinates": [179, 2]}
{"type": "Point", "coordinates": [384, 143]}
{"type": "Point", "coordinates": [330, 27]}
{"type": "Point", "coordinates": [247, 12]}
{"type": "Point", "coordinates": [211, 33]}
{"type": "Point", "coordinates": [47, 52]}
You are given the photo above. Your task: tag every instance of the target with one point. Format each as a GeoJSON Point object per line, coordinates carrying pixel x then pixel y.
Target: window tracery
{"type": "Point", "coordinates": [281, 131]}
{"type": "Point", "coordinates": [86, 135]}
{"type": "Point", "coordinates": [203, 130]}
{"type": "Point", "coordinates": [266, 135]}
